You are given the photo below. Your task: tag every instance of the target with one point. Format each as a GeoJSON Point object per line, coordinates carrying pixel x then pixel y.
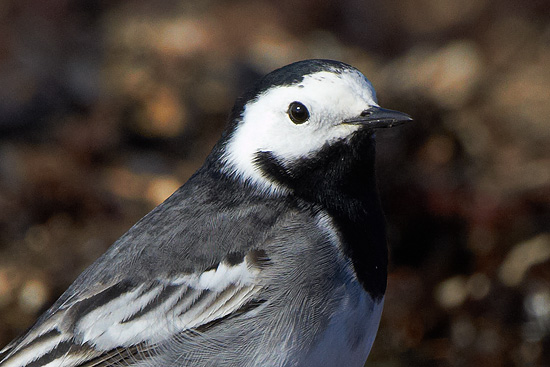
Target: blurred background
{"type": "Point", "coordinates": [106, 107]}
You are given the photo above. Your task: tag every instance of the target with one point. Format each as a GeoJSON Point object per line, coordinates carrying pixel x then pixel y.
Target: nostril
{"type": "Point", "coordinates": [365, 113]}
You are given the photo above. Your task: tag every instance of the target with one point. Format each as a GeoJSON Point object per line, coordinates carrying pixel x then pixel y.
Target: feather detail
{"type": "Point", "coordinates": [123, 323]}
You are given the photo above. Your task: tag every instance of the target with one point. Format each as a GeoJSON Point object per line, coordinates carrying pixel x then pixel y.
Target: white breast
{"type": "Point", "coordinates": [350, 334]}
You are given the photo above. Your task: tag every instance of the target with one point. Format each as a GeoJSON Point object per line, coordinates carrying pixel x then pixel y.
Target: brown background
{"type": "Point", "coordinates": [106, 107]}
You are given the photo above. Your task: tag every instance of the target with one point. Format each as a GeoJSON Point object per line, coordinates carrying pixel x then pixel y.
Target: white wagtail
{"type": "Point", "coordinates": [273, 254]}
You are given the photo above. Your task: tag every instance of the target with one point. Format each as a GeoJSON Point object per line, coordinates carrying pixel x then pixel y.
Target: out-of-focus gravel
{"type": "Point", "coordinates": [107, 107]}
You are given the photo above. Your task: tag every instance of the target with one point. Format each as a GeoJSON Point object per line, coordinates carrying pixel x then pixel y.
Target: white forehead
{"type": "Point", "coordinates": [324, 91]}
{"type": "Point", "coordinates": [330, 98]}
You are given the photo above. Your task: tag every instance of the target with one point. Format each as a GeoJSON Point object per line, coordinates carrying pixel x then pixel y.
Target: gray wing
{"type": "Point", "coordinates": [189, 283]}
{"type": "Point", "coordinates": [123, 323]}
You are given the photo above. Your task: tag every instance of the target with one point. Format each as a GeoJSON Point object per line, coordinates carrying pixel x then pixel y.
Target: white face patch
{"type": "Point", "coordinates": [266, 127]}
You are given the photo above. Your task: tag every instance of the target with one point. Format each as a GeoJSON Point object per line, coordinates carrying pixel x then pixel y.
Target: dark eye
{"type": "Point", "coordinates": [298, 113]}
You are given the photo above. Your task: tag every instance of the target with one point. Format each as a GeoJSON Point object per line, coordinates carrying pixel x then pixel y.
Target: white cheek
{"type": "Point", "coordinates": [274, 132]}
{"type": "Point", "coordinates": [266, 127]}
{"type": "Point", "coordinates": [306, 140]}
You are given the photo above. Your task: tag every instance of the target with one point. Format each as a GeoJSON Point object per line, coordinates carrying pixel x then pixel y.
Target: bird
{"type": "Point", "coordinates": [273, 254]}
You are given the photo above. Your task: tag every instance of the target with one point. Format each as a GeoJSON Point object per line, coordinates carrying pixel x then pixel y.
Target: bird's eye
{"type": "Point", "coordinates": [298, 113]}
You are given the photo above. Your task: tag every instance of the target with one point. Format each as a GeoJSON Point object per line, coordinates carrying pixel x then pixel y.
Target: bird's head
{"type": "Point", "coordinates": [293, 114]}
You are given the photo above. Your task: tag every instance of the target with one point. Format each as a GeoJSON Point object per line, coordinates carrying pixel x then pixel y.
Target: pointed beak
{"type": "Point", "coordinates": [376, 117]}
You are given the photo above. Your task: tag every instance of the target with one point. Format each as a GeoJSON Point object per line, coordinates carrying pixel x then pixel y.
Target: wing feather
{"type": "Point", "coordinates": [123, 323]}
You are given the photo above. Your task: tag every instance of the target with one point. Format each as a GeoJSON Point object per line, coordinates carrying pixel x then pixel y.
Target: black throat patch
{"type": "Point", "coordinates": [341, 179]}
